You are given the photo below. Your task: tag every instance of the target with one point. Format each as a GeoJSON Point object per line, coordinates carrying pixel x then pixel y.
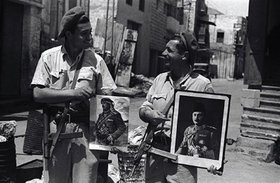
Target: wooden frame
{"type": "Point", "coordinates": [121, 106]}
{"type": "Point", "coordinates": [215, 128]}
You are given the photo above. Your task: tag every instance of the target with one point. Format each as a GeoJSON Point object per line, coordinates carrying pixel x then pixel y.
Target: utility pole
{"type": "Point", "coordinates": [112, 40]}
{"type": "Point", "coordinates": [106, 27]}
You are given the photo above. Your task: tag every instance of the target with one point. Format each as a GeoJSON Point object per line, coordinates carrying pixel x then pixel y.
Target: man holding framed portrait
{"type": "Point", "coordinates": [180, 54]}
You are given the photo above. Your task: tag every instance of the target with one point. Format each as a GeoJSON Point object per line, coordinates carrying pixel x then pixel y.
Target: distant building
{"type": "Point", "coordinates": [225, 37]}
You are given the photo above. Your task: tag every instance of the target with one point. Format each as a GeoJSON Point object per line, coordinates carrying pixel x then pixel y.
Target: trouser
{"type": "Point", "coordinates": [161, 170]}
{"type": "Point", "coordinates": [72, 161]}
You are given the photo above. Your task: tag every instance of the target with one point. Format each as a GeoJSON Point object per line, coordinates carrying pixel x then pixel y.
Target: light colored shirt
{"type": "Point", "coordinates": [162, 91]}
{"type": "Point", "coordinates": [55, 71]}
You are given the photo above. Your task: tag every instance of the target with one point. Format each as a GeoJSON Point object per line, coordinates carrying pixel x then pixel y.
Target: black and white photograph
{"type": "Point", "coordinates": [200, 122]}
{"type": "Point", "coordinates": [109, 119]}
{"type": "Point", "coordinates": [64, 64]}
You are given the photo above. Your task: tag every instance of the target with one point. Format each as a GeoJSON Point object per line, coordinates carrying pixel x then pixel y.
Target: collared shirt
{"type": "Point", "coordinates": [54, 70]}
{"type": "Point", "coordinates": [162, 91]}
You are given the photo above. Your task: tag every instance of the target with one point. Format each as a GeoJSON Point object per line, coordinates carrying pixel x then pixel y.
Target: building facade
{"type": "Point", "coordinates": [28, 27]}
{"type": "Point", "coordinates": [226, 43]}
{"type": "Point", "coordinates": [155, 21]}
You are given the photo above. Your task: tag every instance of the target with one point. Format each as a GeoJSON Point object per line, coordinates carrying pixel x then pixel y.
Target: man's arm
{"type": "Point", "coordinates": [48, 95]}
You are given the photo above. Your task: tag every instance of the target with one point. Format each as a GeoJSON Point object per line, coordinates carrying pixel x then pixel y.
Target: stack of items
{"type": "Point", "coordinates": [7, 151]}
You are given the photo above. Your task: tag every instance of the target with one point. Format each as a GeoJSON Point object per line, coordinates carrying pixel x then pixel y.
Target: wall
{"type": "Point", "coordinates": [224, 23]}
{"type": "Point", "coordinates": [31, 44]}
{"type": "Point", "coordinates": [126, 12]}
{"type": "Point", "coordinates": [224, 58]}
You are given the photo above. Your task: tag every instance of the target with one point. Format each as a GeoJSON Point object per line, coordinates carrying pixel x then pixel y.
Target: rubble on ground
{"type": "Point", "coordinates": [141, 82]}
{"type": "Point", "coordinates": [7, 130]}
{"type": "Point", "coordinates": [136, 135]}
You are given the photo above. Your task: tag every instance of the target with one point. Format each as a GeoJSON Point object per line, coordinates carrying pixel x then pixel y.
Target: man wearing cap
{"type": "Point", "coordinates": [109, 125]}
{"type": "Point", "coordinates": [72, 73]}
{"type": "Point", "coordinates": [180, 54]}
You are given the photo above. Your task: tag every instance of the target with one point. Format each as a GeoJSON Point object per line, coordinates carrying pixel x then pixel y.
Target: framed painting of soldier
{"type": "Point", "coordinates": [108, 122]}
{"type": "Point", "coordinates": [199, 128]}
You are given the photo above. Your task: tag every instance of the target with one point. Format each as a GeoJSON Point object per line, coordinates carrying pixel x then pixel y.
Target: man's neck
{"type": "Point", "coordinates": [72, 52]}
{"type": "Point", "coordinates": [179, 72]}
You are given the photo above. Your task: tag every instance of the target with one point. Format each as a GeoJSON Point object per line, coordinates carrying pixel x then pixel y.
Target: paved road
{"type": "Point", "coordinates": [239, 168]}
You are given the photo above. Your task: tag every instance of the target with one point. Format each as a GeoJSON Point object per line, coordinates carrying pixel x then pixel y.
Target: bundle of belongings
{"type": "Point", "coordinates": [7, 130]}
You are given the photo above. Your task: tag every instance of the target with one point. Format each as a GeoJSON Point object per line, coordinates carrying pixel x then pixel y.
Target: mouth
{"type": "Point", "coordinates": [165, 60]}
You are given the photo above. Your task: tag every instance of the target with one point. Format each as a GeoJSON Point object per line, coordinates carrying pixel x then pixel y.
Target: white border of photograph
{"type": "Point", "coordinates": [197, 161]}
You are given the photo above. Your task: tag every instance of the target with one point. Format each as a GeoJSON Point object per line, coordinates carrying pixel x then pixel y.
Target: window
{"type": "Point", "coordinates": [170, 10]}
{"type": "Point", "coordinates": [157, 4]}
{"type": "Point", "coordinates": [129, 2]}
{"type": "Point", "coordinates": [141, 5]}
{"type": "Point", "coordinates": [133, 25]}
{"type": "Point", "coordinates": [220, 37]}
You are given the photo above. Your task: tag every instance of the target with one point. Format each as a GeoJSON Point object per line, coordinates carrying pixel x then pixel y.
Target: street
{"type": "Point", "coordinates": [238, 168]}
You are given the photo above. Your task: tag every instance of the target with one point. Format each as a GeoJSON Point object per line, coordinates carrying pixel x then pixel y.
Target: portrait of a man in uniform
{"type": "Point", "coordinates": [109, 118]}
{"type": "Point", "coordinates": [110, 125]}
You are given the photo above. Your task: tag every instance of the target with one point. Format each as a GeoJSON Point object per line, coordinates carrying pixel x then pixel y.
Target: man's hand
{"type": "Point", "coordinates": [157, 117]}
{"type": "Point", "coordinates": [83, 93]}
{"type": "Point", "coordinates": [213, 170]}
{"type": "Point", "coordinates": [110, 139]}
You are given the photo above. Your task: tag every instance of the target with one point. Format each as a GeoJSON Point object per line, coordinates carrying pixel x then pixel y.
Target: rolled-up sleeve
{"type": "Point", "coordinates": [105, 80]}
{"type": "Point", "coordinates": [41, 75]}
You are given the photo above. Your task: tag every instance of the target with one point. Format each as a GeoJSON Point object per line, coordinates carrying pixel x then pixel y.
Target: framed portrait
{"type": "Point", "coordinates": [199, 128]}
{"type": "Point", "coordinates": [109, 122]}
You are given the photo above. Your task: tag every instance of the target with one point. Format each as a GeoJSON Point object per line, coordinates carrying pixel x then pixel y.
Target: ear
{"type": "Point", "coordinates": [68, 34]}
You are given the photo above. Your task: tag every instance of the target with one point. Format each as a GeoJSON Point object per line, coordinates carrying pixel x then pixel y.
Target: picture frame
{"type": "Point", "coordinates": [105, 122]}
{"type": "Point", "coordinates": [201, 145]}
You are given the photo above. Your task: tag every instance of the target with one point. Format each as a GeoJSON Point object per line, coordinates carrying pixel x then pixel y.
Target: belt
{"type": "Point", "coordinates": [74, 117]}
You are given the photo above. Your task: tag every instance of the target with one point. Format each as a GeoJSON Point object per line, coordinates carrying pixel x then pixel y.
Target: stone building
{"type": "Point", "coordinates": [155, 21]}
{"type": "Point", "coordinates": [260, 124]}
{"type": "Point", "coordinates": [225, 37]}
{"type": "Point", "coordinates": [28, 27]}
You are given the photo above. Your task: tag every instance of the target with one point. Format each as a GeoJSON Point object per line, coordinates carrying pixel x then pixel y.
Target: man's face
{"type": "Point", "coordinates": [197, 117]}
{"type": "Point", "coordinates": [171, 54]}
{"type": "Point", "coordinates": [105, 106]}
{"type": "Point", "coordinates": [82, 38]}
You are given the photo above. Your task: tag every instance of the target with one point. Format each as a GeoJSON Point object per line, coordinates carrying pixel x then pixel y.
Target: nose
{"type": "Point", "coordinates": [164, 53]}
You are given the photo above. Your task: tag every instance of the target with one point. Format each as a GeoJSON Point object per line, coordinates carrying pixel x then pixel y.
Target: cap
{"type": "Point", "coordinates": [191, 44]}
{"type": "Point", "coordinates": [73, 17]}
{"type": "Point", "coordinates": [198, 107]}
{"type": "Point", "coordinates": [108, 100]}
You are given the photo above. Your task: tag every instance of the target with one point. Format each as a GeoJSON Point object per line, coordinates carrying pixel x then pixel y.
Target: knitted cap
{"type": "Point", "coordinates": [72, 18]}
{"type": "Point", "coordinates": [191, 44]}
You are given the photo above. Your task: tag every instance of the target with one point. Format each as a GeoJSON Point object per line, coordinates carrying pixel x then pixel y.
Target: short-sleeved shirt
{"type": "Point", "coordinates": [54, 70]}
{"type": "Point", "coordinates": [162, 91]}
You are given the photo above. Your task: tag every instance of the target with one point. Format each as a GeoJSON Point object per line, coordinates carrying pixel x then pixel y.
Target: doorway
{"type": "Point", "coordinates": [10, 49]}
